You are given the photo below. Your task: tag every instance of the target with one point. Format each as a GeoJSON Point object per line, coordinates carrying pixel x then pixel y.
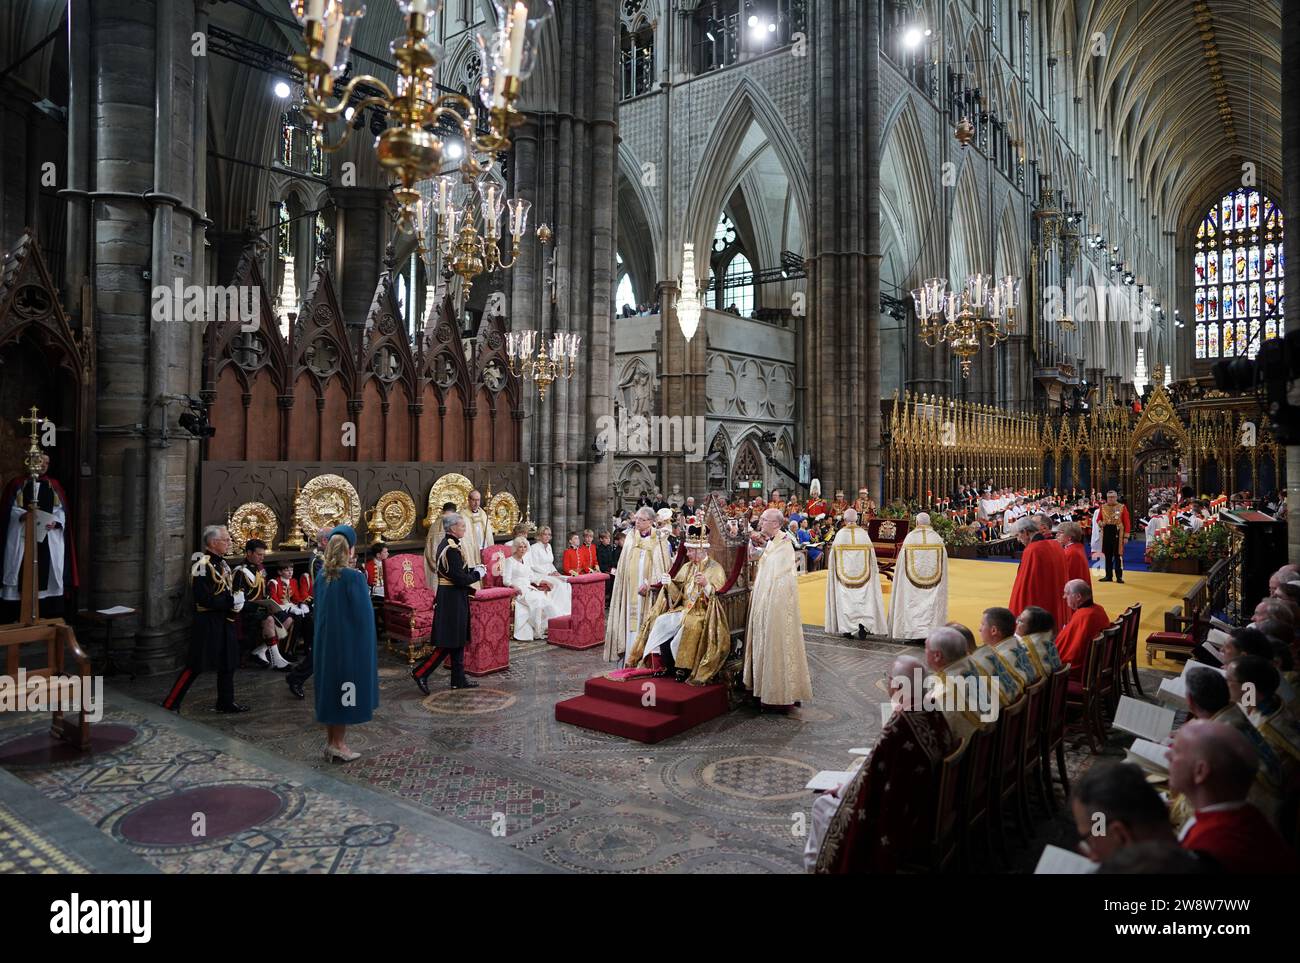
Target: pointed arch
{"type": "Point", "coordinates": [748, 104]}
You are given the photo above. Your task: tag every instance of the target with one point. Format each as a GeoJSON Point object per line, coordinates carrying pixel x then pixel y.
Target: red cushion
{"type": "Point", "coordinates": [488, 594]}
{"type": "Point", "coordinates": [420, 599]}
{"type": "Point", "coordinates": [1170, 638]}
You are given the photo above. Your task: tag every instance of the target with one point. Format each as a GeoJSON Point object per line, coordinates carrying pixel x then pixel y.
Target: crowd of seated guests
{"type": "Point", "coordinates": [1232, 803]}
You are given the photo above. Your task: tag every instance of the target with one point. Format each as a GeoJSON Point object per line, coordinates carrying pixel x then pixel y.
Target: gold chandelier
{"type": "Point", "coordinates": [984, 311]}
{"type": "Point", "coordinates": [412, 147]}
{"type": "Point", "coordinates": [528, 357]}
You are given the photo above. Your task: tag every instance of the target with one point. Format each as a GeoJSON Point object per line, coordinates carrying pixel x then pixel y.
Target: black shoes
{"type": "Point", "coordinates": [421, 681]}
{"type": "Point", "coordinates": [463, 684]}
{"type": "Point", "coordinates": [295, 686]}
{"type": "Point", "coordinates": [862, 632]}
{"type": "Point", "coordinates": [1106, 579]}
{"type": "Point", "coordinates": [232, 708]}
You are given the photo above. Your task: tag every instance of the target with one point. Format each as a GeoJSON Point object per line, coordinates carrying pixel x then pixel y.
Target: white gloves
{"type": "Point", "coordinates": [239, 602]}
{"type": "Point", "coordinates": [482, 570]}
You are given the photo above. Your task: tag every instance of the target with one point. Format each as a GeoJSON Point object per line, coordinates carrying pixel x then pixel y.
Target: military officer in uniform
{"type": "Point", "coordinates": [451, 608]}
{"type": "Point", "coordinates": [212, 639]}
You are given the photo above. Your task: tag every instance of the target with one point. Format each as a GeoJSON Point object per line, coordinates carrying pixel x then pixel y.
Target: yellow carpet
{"type": "Point", "coordinates": [974, 586]}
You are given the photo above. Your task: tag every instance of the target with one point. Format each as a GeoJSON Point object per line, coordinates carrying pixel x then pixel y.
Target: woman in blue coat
{"type": "Point", "coordinates": [347, 671]}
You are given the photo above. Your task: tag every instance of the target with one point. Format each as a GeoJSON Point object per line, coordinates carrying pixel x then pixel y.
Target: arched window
{"type": "Point", "coordinates": [1237, 276]}
{"type": "Point", "coordinates": [738, 285]}
{"type": "Point", "coordinates": [625, 297]}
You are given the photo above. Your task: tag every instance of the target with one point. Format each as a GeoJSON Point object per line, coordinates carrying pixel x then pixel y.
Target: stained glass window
{"type": "Point", "coordinates": [1237, 276]}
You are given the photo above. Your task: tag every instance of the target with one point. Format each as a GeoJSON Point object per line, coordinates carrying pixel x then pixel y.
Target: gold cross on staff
{"type": "Point", "coordinates": [34, 420]}
{"type": "Point", "coordinates": [34, 450]}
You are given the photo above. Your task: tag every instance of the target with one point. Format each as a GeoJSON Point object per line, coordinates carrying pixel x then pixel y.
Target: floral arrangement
{"type": "Point", "coordinates": [953, 535]}
{"type": "Point", "coordinates": [1208, 544]}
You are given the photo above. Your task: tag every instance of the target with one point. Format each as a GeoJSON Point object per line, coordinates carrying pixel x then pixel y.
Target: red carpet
{"type": "Point", "coordinates": [616, 707]}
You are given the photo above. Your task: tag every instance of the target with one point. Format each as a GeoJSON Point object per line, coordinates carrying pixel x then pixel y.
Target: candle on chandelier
{"type": "Point", "coordinates": [332, 31]}
{"type": "Point", "coordinates": [517, 22]}
{"type": "Point", "coordinates": [314, 9]}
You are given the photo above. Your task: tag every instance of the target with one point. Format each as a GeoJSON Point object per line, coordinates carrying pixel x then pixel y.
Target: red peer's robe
{"type": "Point", "coordinates": [1076, 564]}
{"type": "Point", "coordinates": [1040, 580]}
{"type": "Point", "coordinates": [1072, 641]}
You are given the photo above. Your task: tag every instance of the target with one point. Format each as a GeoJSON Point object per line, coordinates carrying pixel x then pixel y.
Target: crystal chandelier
{"type": "Point", "coordinates": [688, 305]}
{"type": "Point", "coordinates": [984, 311]}
{"type": "Point", "coordinates": [1140, 372]}
{"type": "Point", "coordinates": [448, 214]}
{"type": "Point", "coordinates": [411, 148]}
{"type": "Point", "coordinates": [528, 357]}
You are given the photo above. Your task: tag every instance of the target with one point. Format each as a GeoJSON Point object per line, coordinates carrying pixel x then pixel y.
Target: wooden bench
{"type": "Point", "coordinates": [1187, 625]}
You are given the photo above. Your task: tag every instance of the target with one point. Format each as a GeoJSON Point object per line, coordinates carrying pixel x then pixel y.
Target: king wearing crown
{"type": "Point", "coordinates": [687, 627]}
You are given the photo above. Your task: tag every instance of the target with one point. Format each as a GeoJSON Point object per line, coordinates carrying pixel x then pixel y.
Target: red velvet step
{"type": "Point", "coordinates": [616, 708]}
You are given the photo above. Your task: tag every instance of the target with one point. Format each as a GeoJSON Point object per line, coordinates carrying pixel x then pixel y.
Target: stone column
{"type": "Point", "coordinates": [365, 230]}
{"type": "Point", "coordinates": [843, 422]}
{"type": "Point", "coordinates": [565, 163]}
{"type": "Point", "coordinates": [1291, 205]}
{"type": "Point", "coordinates": [141, 235]}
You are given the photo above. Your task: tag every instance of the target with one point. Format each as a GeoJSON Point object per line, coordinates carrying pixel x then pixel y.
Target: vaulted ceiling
{"type": "Point", "coordinates": [1186, 92]}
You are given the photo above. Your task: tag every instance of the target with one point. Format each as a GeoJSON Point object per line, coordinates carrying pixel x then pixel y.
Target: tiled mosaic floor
{"type": "Point", "coordinates": [479, 781]}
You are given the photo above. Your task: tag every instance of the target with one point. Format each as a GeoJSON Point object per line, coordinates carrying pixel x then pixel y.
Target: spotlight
{"type": "Point", "coordinates": [1128, 277]}
{"type": "Point", "coordinates": [709, 34]}
{"type": "Point", "coordinates": [454, 150]}
{"type": "Point", "coordinates": [912, 37]}
{"type": "Point", "coordinates": [347, 114]}
{"type": "Point", "coordinates": [771, 27]}
{"type": "Point", "coordinates": [281, 89]}
{"type": "Point", "coordinates": [753, 20]}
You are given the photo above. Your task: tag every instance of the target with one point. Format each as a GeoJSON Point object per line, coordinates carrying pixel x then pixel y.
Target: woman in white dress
{"type": "Point", "coordinates": [534, 606]}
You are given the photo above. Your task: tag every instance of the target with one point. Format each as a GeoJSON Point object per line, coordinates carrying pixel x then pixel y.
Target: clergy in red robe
{"type": "Point", "coordinates": [1087, 618]}
{"type": "Point", "coordinates": [1040, 580]}
{"type": "Point", "coordinates": [1069, 535]}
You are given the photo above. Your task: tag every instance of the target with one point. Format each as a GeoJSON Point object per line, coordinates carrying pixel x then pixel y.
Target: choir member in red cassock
{"type": "Point", "coordinates": [1040, 580]}
{"type": "Point", "coordinates": [1087, 619]}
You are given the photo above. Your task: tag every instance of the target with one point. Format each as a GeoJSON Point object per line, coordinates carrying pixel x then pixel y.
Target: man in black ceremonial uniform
{"type": "Point", "coordinates": [451, 609]}
{"type": "Point", "coordinates": [212, 639]}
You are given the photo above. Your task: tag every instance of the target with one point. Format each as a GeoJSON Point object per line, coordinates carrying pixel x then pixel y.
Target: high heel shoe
{"type": "Point", "coordinates": [334, 754]}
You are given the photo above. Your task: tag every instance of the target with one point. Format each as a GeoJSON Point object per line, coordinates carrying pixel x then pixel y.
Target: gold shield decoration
{"type": "Point", "coordinates": [397, 509]}
{"type": "Point", "coordinates": [326, 501]}
{"type": "Point", "coordinates": [252, 520]}
{"type": "Point", "coordinates": [451, 487]}
{"type": "Point", "coordinates": [503, 512]}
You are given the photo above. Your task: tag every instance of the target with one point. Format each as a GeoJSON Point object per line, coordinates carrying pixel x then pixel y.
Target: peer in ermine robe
{"type": "Point", "coordinates": [853, 594]}
{"type": "Point", "coordinates": [643, 559]}
{"type": "Point", "coordinates": [776, 662]}
{"type": "Point", "coordinates": [919, 594]}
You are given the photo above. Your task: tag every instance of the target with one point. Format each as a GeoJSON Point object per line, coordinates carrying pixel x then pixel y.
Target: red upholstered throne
{"type": "Point", "coordinates": [584, 626]}
{"type": "Point", "coordinates": [491, 619]}
{"type": "Point", "coordinates": [408, 616]}
{"type": "Point", "coordinates": [408, 605]}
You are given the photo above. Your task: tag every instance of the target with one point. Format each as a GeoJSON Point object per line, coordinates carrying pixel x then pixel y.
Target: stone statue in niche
{"type": "Point", "coordinates": [675, 499]}
{"type": "Point", "coordinates": [446, 373]}
{"type": "Point", "coordinates": [637, 390]}
{"type": "Point", "coordinates": [494, 377]}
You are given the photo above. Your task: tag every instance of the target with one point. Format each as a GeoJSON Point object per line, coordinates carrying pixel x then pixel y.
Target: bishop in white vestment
{"type": "Point", "coordinates": [854, 599]}
{"type": "Point", "coordinates": [478, 531]}
{"type": "Point", "coordinates": [643, 559]}
{"type": "Point", "coordinates": [776, 663]}
{"type": "Point", "coordinates": [541, 559]}
{"type": "Point", "coordinates": [919, 597]}
{"type": "Point", "coordinates": [533, 606]}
